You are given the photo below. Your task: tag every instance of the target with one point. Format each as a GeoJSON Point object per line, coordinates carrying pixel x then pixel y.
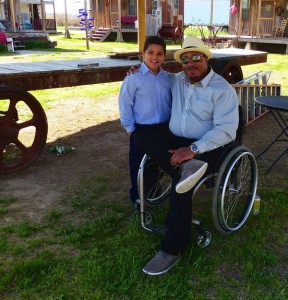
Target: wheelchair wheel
{"type": "Point", "coordinates": [203, 238]}
{"type": "Point", "coordinates": [234, 190]}
{"type": "Point", "coordinates": [156, 183]}
{"type": "Point", "coordinates": [146, 217]}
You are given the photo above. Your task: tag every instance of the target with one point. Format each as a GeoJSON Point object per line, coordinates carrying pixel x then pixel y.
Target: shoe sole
{"type": "Point", "coordinates": [190, 182]}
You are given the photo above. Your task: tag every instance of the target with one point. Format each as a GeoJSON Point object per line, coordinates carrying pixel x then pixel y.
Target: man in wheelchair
{"type": "Point", "coordinates": [204, 119]}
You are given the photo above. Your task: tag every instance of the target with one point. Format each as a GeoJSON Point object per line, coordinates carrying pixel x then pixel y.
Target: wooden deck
{"type": "Point", "coordinates": [255, 43]}
{"type": "Point", "coordinates": [66, 73]}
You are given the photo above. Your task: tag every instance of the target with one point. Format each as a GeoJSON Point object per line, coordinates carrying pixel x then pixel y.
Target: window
{"type": "Point", "coordinates": [245, 9]}
{"type": "Point", "coordinates": [132, 8]}
{"type": "Point", "coordinates": [100, 6]}
{"type": "Point", "coordinates": [3, 10]}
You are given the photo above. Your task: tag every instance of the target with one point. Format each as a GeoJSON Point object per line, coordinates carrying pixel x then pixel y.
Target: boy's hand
{"type": "Point", "coordinates": [133, 69]}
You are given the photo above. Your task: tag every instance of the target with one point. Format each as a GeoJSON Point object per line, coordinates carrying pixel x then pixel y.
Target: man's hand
{"type": "Point", "coordinates": [180, 155]}
{"type": "Point", "coordinates": [133, 69]}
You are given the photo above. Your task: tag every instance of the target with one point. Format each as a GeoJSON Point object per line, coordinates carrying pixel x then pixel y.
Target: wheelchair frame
{"type": "Point", "coordinates": [233, 196]}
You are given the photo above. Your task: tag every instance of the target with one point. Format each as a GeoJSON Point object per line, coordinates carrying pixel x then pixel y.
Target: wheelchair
{"type": "Point", "coordinates": [234, 184]}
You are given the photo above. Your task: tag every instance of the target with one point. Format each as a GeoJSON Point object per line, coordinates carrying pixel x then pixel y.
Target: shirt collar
{"type": "Point", "coordinates": [204, 82]}
{"type": "Point", "coordinates": [144, 69]}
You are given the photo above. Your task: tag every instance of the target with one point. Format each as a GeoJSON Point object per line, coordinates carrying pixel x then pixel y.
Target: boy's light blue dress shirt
{"type": "Point", "coordinates": [145, 98]}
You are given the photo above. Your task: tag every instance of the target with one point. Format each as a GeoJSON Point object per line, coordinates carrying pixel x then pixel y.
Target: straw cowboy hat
{"type": "Point", "coordinates": [192, 43]}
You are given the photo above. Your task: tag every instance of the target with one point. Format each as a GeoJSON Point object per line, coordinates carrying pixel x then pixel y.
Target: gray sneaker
{"type": "Point", "coordinates": [192, 170]}
{"type": "Point", "coordinates": [160, 263]}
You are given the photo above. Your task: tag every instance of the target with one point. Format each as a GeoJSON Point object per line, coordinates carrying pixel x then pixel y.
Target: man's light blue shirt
{"type": "Point", "coordinates": [206, 111]}
{"type": "Point", "coordinates": [145, 98]}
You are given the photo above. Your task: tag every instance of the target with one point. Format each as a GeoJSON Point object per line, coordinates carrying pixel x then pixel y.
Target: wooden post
{"type": "Point", "coordinates": [67, 34]}
{"type": "Point", "coordinates": [211, 12]}
{"type": "Point", "coordinates": [43, 15]}
{"type": "Point", "coordinates": [96, 20]}
{"type": "Point", "coordinates": [240, 21]}
{"type": "Point", "coordinates": [86, 25]}
{"type": "Point", "coordinates": [258, 18]}
{"type": "Point", "coordinates": [54, 17]}
{"type": "Point", "coordinates": [13, 20]}
{"type": "Point", "coordinates": [119, 15]}
{"type": "Point", "coordinates": [141, 17]}
{"type": "Point", "coordinates": [119, 37]}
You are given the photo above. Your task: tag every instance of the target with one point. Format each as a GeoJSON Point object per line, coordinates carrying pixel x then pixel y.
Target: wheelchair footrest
{"type": "Point", "coordinates": [160, 230]}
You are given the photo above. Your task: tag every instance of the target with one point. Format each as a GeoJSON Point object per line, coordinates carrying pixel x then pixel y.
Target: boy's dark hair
{"type": "Point", "coordinates": [155, 40]}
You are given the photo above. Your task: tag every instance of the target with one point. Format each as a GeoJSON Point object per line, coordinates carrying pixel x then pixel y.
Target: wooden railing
{"type": "Point", "coordinates": [266, 26]}
{"type": "Point", "coordinates": [248, 92]}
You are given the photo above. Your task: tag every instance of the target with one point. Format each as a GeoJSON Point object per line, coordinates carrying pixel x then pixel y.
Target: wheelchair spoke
{"type": "Point", "coordinates": [229, 210]}
{"type": "Point", "coordinates": [157, 183]}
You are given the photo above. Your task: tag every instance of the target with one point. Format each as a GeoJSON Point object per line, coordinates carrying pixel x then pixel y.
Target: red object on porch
{"type": "Point", "coordinates": [128, 20]}
{"type": "Point", "coordinates": [3, 38]}
{"type": "Point", "coordinates": [7, 41]}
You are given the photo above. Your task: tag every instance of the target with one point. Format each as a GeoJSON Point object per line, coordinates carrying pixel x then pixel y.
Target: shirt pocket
{"type": "Point", "coordinates": [202, 109]}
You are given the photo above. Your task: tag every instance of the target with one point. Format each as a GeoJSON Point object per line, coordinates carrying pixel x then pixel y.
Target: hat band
{"type": "Point", "coordinates": [190, 47]}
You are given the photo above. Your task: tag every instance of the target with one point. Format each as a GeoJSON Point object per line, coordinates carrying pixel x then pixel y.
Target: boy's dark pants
{"type": "Point", "coordinates": [156, 140]}
{"type": "Point", "coordinates": [135, 158]}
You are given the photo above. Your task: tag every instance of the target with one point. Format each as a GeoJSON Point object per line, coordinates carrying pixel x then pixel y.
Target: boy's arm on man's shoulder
{"type": "Point", "coordinates": [133, 69]}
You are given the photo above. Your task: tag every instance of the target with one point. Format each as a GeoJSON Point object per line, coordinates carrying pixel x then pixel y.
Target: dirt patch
{"type": "Point", "coordinates": [93, 128]}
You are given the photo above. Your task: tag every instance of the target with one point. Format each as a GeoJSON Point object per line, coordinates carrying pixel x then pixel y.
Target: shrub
{"type": "Point", "coordinates": [3, 48]}
{"type": "Point", "coordinates": [35, 44]}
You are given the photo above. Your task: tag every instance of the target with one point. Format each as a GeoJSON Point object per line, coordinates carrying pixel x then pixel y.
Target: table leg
{"type": "Point", "coordinates": [284, 131]}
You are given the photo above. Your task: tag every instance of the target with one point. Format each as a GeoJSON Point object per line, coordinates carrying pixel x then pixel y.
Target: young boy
{"type": "Point", "coordinates": [144, 100]}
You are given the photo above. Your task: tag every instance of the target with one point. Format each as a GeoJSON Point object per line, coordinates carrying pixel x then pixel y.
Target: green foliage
{"type": "Point", "coordinates": [97, 250]}
{"type": "Point", "coordinates": [91, 247]}
{"type": "Point", "coordinates": [25, 229]}
{"type": "Point", "coordinates": [277, 64]}
{"type": "Point", "coordinates": [3, 48]}
{"type": "Point", "coordinates": [4, 204]}
{"type": "Point", "coordinates": [35, 44]}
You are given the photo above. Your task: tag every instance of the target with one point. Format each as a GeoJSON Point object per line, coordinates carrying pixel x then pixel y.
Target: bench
{"type": "Point", "coordinates": [128, 22]}
{"type": "Point", "coordinates": [168, 32]}
{"type": "Point", "coordinates": [7, 41]}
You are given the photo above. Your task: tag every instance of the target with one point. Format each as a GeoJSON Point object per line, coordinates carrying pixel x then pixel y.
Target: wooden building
{"type": "Point", "coordinates": [258, 18]}
{"type": "Point", "coordinates": [27, 16]}
{"type": "Point", "coordinates": [123, 15]}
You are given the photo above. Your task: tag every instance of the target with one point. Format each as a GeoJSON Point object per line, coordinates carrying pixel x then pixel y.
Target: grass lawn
{"type": "Point", "coordinates": [91, 247]}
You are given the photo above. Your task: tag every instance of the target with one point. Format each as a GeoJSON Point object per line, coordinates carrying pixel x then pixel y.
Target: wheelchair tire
{"type": "Point", "coordinates": [156, 183]}
{"type": "Point", "coordinates": [235, 190]}
{"type": "Point", "coordinates": [203, 238]}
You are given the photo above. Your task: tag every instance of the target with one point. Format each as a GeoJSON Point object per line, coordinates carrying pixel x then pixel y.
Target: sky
{"type": "Point", "coordinates": [72, 6]}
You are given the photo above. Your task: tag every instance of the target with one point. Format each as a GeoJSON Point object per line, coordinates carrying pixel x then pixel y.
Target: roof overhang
{"type": "Point", "coordinates": [30, 1]}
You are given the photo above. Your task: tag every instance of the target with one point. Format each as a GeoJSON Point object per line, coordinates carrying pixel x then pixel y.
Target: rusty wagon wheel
{"type": "Point", "coordinates": [23, 129]}
{"type": "Point", "coordinates": [232, 72]}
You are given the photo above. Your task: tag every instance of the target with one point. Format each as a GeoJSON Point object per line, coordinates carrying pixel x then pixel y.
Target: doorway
{"type": "Point", "coordinates": [267, 16]}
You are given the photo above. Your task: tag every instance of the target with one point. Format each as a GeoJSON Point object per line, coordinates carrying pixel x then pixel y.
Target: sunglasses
{"type": "Point", "coordinates": [195, 58]}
